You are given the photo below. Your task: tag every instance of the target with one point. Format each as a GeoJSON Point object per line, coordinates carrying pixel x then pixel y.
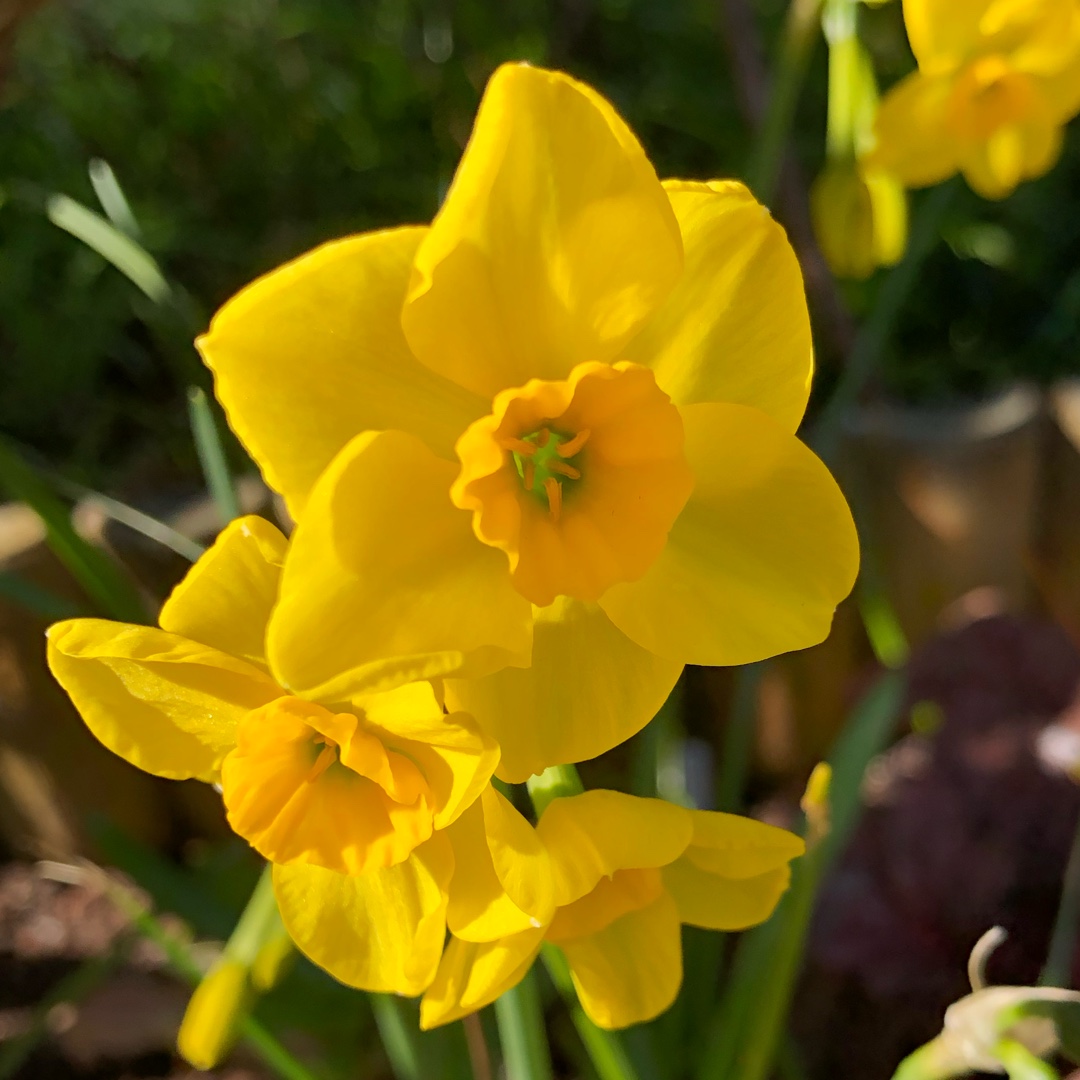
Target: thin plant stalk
{"type": "Point", "coordinates": [397, 1031]}
{"type": "Point", "coordinates": [1059, 957]}
{"type": "Point", "coordinates": [738, 739]}
{"type": "Point", "coordinates": [801, 27]}
{"type": "Point", "coordinates": [522, 1033]}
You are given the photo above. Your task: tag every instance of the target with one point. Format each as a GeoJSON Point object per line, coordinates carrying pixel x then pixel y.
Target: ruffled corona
{"type": "Point", "coordinates": [578, 481]}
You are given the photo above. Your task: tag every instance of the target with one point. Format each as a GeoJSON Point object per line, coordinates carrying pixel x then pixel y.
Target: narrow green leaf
{"type": "Point", "coordinates": [212, 455]}
{"type": "Point", "coordinates": [98, 233]}
{"type": "Point", "coordinates": [112, 198]}
{"type": "Point", "coordinates": [36, 599]}
{"type": "Point", "coordinates": [522, 1033]}
{"type": "Point", "coordinates": [104, 581]}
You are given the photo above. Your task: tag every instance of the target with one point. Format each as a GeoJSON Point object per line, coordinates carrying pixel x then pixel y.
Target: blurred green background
{"type": "Point", "coordinates": [245, 133]}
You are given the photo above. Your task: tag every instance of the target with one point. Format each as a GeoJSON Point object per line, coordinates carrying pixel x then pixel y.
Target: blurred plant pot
{"type": "Point", "coordinates": [947, 502]}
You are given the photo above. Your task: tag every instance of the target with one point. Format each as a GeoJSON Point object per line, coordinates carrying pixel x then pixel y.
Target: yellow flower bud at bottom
{"type": "Point", "coordinates": [860, 218]}
{"type": "Point", "coordinates": [210, 1025]}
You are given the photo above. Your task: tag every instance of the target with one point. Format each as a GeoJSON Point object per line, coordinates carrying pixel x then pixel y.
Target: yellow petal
{"type": "Point", "coordinates": [718, 903]}
{"type": "Point", "coordinates": [381, 931]}
{"type": "Point", "coordinates": [631, 970]}
{"type": "Point", "coordinates": [758, 560]}
{"type": "Point", "coordinates": [168, 705]}
{"type": "Point", "coordinates": [385, 582]}
{"type": "Point", "coordinates": [554, 244]}
{"type": "Point", "coordinates": [740, 847]}
{"type": "Point", "coordinates": [943, 32]}
{"type": "Point", "coordinates": [613, 897]}
{"type": "Point", "coordinates": [472, 975]}
{"type": "Point", "coordinates": [589, 688]}
{"type": "Point", "coordinates": [736, 327]}
{"type": "Point", "coordinates": [995, 166]}
{"type": "Point", "coordinates": [211, 1020]}
{"type": "Point", "coordinates": [502, 879]}
{"type": "Point", "coordinates": [453, 753]}
{"type": "Point", "coordinates": [225, 599]}
{"type": "Point", "coordinates": [592, 835]}
{"type": "Point", "coordinates": [913, 140]}
{"type": "Point", "coordinates": [311, 354]}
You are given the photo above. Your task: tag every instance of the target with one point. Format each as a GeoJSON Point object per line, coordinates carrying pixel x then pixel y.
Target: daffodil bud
{"type": "Point", "coordinates": [860, 218]}
{"type": "Point", "coordinates": [210, 1025]}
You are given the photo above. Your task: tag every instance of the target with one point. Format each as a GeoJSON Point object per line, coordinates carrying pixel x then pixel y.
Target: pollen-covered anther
{"type": "Point", "coordinates": [563, 469]}
{"type": "Point", "coordinates": [553, 489]}
{"type": "Point", "coordinates": [569, 448]}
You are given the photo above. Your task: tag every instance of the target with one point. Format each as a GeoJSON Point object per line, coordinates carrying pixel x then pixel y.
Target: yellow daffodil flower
{"type": "Point", "coordinates": [338, 789]}
{"type": "Point", "coordinates": [997, 81]}
{"type": "Point", "coordinates": [627, 872]}
{"type": "Point", "coordinates": [860, 218]}
{"type": "Point", "coordinates": [544, 447]}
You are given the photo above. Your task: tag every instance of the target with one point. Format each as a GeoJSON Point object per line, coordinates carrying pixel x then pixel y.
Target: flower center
{"type": "Point", "coordinates": [577, 480]}
{"type": "Point", "coordinates": [543, 465]}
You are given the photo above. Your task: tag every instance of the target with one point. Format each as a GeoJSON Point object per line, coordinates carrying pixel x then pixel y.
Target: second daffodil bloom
{"type": "Point", "coordinates": [351, 797]}
{"type": "Point", "coordinates": [997, 81]}
{"type": "Point", "coordinates": [545, 447]}
{"type": "Point", "coordinates": [627, 873]}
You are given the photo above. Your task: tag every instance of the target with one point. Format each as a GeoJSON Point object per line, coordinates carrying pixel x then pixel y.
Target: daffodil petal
{"type": "Point", "coordinates": [554, 244]}
{"type": "Point", "coordinates": [720, 903]}
{"type": "Point", "coordinates": [759, 558]}
{"type": "Point", "coordinates": [589, 688]}
{"type": "Point", "coordinates": [381, 931]}
{"type": "Point", "coordinates": [590, 836]}
{"type": "Point", "coordinates": [995, 166]}
{"type": "Point", "coordinates": [472, 975]}
{"type": "Point", "coordinates": [736, 327]}
{"type": "Point", "coordinates": [740, 847]}
{"type": "Point", "coordinates": [455, 756]}
{"type": "Point", "coordinates": [502, 879]}
{"type": "Point", "coordinates": [913, 142]}
{"type": "Point", "coordinates": [943, 32]}
{"type": "Point", "coordinates": [630, 971]}
{"type": "Point", "coordinates": [311, 354]}
{"type": "Point", "coordinates": [225, 599]}
{"type": "Point", "coordinates": [167, 705]}
{"type": "Point", "coordinates": [385, 582]}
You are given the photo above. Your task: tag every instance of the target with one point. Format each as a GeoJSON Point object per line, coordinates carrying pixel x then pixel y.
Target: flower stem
{"type": "Point", "coordinates": [1059, 957]}
{"type": "Point", "coordinates": [522, 1032]}
{"type": "Point", "coordinates": [555, 782]}
{"type": "Point", "coordinates": [605, 1048]}
{"type": "Point", "coordinates": [799, 34]}
{"type": "Point", "coordinates": [875, 333]}
{"type": "Point", "coordinates": [738, 739]}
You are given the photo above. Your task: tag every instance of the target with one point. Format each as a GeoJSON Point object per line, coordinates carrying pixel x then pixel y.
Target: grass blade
{"type": "Point", "coordinates": [212, 455]}
{"type": "Point", "coordinates": [112, 198]}
{"type": "Point", "coordinates": [102, 579]}
{"type": "Point", "coordinates": [36, 599]}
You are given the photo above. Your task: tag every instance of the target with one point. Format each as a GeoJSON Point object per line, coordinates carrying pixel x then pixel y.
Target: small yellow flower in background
{"type": "Point", "coordinates": [627, 873]}
{"type": "Point", "coordinates": [860, 218]}
{"type": "Point", "coordinates": [349, 796]}
{"type": "Point", "coordinates": [997, 81]}
{"type": "Point", "coordinates": [209, 1028]}
{"type": "Point", "coordinates": [544, 449]}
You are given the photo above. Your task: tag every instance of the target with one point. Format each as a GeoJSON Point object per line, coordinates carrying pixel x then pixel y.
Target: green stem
{"type": "Point", "coordinates": [259, 921]}
{"type": "Point", "coordinates": [799, 34]}
{"type": "Point", "coordinates": [605, 1048]}
{"type": "Point", "coordinates": [875, 333]}
{"type": "Point", "coordinates": [522, 1033]}
{"type": "Point", "coordinates": [1059, 957]}
{"type": "Point", "coordinates": [738, 739]}
{"type": "Point", "coordinates": [399, 1036]}
{"type": "Point", "coordinates": [555, 782]}
{"type": "Point", "coordinates": [212, 455]}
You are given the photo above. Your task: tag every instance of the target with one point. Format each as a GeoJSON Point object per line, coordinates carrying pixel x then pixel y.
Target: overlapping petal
{"type": "Point", "coordinates": [313, 353]}
{"type": "Point", "coordinates": [168, 705]}
{"type": "Point", "coordinates": [914, 142]}
{"type": "Point", "coordinates": [554, 243]}
{"type": "Point", "coordinates": [996, 165]}
{"type": "Point", "coordinates": [631, 970]}
{"type": "Point", "coordinates": [474, 974]}
{"type": "Point", "coordinates": [225, 599]}
{"type": "Point", "coordinates": [502, 879]}
{"type": "Point", "coordinates": [385, 582]}
{"type": "Point", "coordinates": [759, 558]}
{"type": "Point", "coordinates": [595, 834]}
{"type": "Point", "coordinates": [582, 667]}
{"type": "Point", "coordinates": [736, 327]}
{"type": "Point", "coordinates": [455, 756]}
{"type": "Point", "coordinates": [381, 931]}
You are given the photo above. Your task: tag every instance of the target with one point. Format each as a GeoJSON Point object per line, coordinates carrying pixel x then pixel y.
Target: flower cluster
{"type": "Point", "coordinates": [996, 83]}
{"type": "Point", "coordinates": [540, 454]}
